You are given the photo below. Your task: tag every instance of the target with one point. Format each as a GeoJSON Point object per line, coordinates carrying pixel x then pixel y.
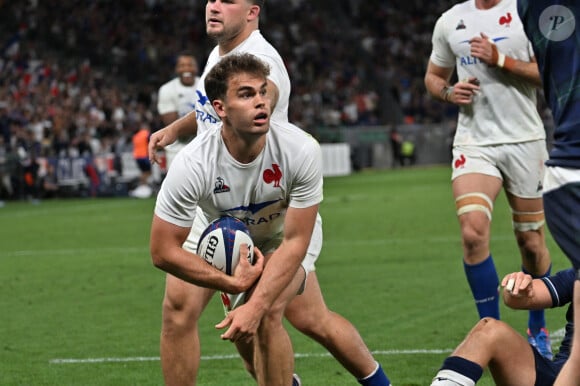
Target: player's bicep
{"type": "Point", "coordinates": [439, 71]}
{"type": "Point", "coordinates": [273, 93]}
{"type": "Point", "coordinates": [298, 227]}
{"type": "Point", "coordinates": [165, 237]}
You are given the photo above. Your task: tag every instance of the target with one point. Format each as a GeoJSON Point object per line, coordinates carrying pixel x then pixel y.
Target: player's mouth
{"type": "Point", "coordinates": [261, 119]}
{"type": "Point", "coordinates": [212, 22]}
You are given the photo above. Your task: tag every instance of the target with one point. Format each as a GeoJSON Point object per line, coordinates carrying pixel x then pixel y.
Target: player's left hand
{"type": "Point", "coordinates": [243, 323]}
{"type": "Point", "coordinates": [483, 49]}
{"type": "Point", "coordinates": [518, 284]}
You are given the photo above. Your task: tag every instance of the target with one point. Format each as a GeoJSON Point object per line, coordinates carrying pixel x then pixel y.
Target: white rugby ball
{"type": "Point", "coordinates": [219, 245]}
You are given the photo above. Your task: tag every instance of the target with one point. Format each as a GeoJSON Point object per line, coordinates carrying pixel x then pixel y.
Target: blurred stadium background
{"type": "Point", "coordinates": [81, 302]}
{"type": "Point", "coordinates": [77, 78]}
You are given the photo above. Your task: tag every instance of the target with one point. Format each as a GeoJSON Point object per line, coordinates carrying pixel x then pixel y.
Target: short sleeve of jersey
{"type": "Point", "coordinates": [307, 190]}
{"type": "Point", "coordinates": [179, 194]}
{"type": "Point", "coordinates": [441, 54]}
{"type": "Point", "coordinates": [165, 102]}
{"type": "Point", "coordinates": [561, 287]}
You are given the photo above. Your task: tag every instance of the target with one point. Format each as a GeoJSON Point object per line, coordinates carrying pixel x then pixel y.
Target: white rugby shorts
{"type": "Point", "coordinates": [519, 165]}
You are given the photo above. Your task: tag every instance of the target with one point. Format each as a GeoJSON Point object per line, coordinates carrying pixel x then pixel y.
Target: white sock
{"type": "Point", "coordinates": [373, 373]}
{"type": "Point", "coordinates": [451, 378]}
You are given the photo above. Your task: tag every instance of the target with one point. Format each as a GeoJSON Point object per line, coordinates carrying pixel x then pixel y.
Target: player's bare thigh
{"type": "Point", "coordinates": [308, 309]}
{"type": "Point", "coordinates": [184, 301]}
{"type": "Point", "coordinates": [477, 183]}
{"type": "Point", "coordinates": [519, 204]}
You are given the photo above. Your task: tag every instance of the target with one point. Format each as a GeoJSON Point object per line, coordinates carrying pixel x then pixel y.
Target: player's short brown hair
{"type": "Point", "coordinates": [216, 81]}
{"type": "Point", "coordinates": [259, 3]}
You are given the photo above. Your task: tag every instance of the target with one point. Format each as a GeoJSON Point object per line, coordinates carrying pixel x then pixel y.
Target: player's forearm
{"type": "Point", "coordinates": [537, 298]}
{"type": "Point", "coordinates": [436, 86]}
{"type": "Point", "coordinates": [192, 268]}
{"type": "Point", "coordinates": [278, 273]}
{"type": "Point", "coordinates": [185, 126]}
{"type": "Point", "coordinates": [524, 70]}
{"type": "Point", "coordinates": [169, 118]}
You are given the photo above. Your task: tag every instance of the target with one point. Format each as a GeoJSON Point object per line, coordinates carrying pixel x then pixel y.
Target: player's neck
{"type": "Point", "coordinates": [226, 46]}
{"type": "Point", "coordinates": [243, 148]}
{"type": "Point", "coordinates": [486, 4]}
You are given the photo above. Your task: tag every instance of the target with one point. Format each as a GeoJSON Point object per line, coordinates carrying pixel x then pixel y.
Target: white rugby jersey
{"type": "Point", "coordinates": [174, 96]}
{"type": "Point", "coordinates": [255, 44]}
{"type": "Point", "coordinates": [287, 173]}
{"type": "Point", "coordinates": [504, 110]}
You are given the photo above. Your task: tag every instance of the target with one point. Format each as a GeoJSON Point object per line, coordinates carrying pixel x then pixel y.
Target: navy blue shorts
{"type": "Point", "coordinates": [144, 164]}
{"type": "Point", "coordinates": [546, 370]}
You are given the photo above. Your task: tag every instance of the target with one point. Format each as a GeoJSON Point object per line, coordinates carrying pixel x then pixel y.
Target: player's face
{"type": "Point", "coordinates": [186, 69]}
{"type": "Point", "coordinates": [246, 108]}
{"type": "Point", "coordinates": [226, 19]}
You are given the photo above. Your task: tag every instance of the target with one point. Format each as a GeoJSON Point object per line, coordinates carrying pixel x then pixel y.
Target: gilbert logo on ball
{"type": "Point", "coordinates": [219, 245]}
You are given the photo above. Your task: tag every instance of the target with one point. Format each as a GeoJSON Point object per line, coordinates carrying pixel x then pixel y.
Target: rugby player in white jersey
{"type": "Point", "coordinates": [281, 211]}
{"type": "Point", "coordinates": [499, 142]}
{"type": "Point", "coordinates": [234, 25]}
{"type": "Point", "coordinates": [175, 98]}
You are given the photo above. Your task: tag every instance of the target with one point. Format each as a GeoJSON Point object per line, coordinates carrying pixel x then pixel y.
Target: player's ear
{"type": "Point", "coordinates": [254, 12]}
{"type": "Point", "coordinates": [219, 107]}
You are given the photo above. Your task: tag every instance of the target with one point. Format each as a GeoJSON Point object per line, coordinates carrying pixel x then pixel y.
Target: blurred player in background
{"type": "Point", "coordinates": [234, 25]}
{"type": "Point", "coordinates": [176, 98]}
{"type": "Point", "coordinates": [495, 344]}
{"type": "Point", "coordinates": [554, 30]}
{"type": "Point", "coordinates": [140, 140]}
{"type": "Point", "coordinates": [499, 143]}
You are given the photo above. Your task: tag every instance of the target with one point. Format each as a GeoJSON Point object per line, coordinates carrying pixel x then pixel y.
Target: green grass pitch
{"type": "Point", "coordinates": [80, 300]}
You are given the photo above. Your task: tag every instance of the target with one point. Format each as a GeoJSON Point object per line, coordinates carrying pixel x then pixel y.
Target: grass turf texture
{"type": "Point", "coordinates": [76, 282]}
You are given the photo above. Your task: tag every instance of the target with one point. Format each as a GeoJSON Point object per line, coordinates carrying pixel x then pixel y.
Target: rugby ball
{"type": "Point", "coordinates": [219, 245]}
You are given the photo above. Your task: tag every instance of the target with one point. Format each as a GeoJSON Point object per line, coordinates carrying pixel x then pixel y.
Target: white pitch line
{"type": "Point", "coordinates": [61, 361]}
{"type": "Point", "coordinates": [556, 339]}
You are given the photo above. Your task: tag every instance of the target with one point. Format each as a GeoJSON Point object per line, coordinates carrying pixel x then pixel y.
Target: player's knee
{"type": "Point", "coordinates": [474, 237]}
{"type": "Point", "coordinates": [474, 212]}
{"type": "Point", "coordinates": [532, 246]}
{"type": "Point", "coordinates": [304, 322]}
{"type": "Point", "coordinates": [489, 332]}
{"type": "Point", "coordinates": [179, 315]}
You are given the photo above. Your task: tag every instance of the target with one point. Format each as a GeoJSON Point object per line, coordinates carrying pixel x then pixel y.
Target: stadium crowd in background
{"type": "Point", "coordinates": [76, 78]}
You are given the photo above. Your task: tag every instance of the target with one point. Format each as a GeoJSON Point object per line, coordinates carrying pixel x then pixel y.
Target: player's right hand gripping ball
{"type": "Point", "coordinates": [219, 245]}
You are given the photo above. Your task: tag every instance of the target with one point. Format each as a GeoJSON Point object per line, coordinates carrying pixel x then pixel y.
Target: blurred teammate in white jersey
{"type": "Point", "coordinates": [234, 25]}
{"type": "Point", "coordinates": [499, 142]}
{"type": "Point", "coordinates": [176, 98]}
